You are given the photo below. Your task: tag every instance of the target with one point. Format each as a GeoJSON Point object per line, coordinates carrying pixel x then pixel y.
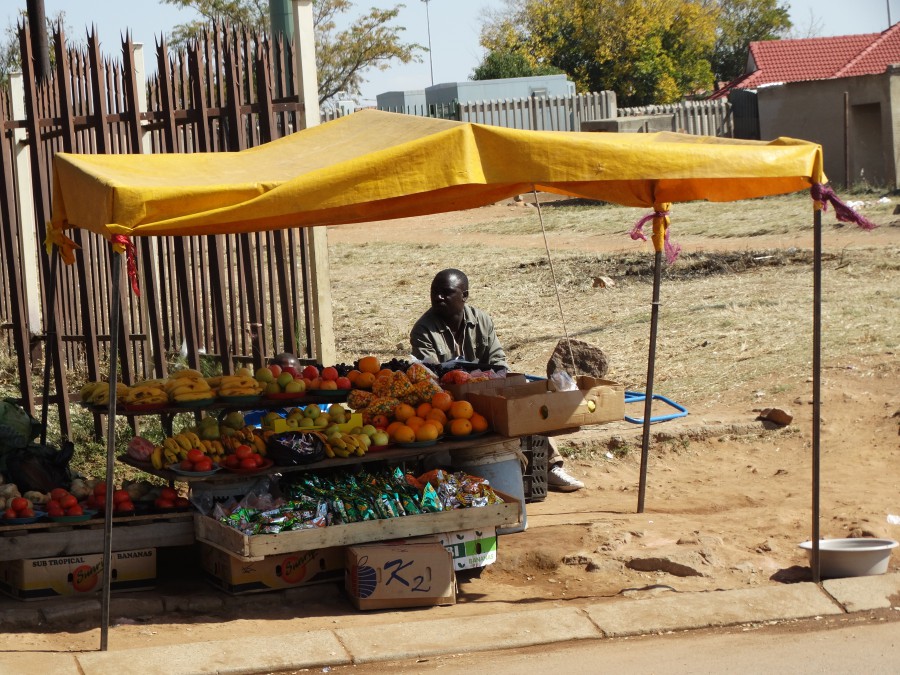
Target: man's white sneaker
{"type": "Point", "coordinates": [559, 480]}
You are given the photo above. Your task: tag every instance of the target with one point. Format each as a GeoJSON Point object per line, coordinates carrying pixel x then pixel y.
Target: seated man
{"type": "Point", "coordinates": [453, 329]}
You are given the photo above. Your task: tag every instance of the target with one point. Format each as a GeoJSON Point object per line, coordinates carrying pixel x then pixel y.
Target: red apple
{"type": "Point", "coordinates": [276, 370]}
{"type": "Point", "coordinates": [344, 383]}
{"type": "Point", "coordinates": [310, 372]}
{"type": "Point", "coordinates": [329, 373]}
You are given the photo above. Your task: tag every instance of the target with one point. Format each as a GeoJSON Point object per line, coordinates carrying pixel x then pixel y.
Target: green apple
{"type": "Point", "coordinates": [320, 422]}
{"type": "Point", "coordinates": [273, 388]}
{"type": "Point", "coordinates": [292, 422]}
{"type": "Point", "coordinates": [283, 380]}
{"type": "Point", "coordinates": [244, 372]}
{"type": "Point", "coordinates": [209, 432]}
{"type": "Point", "coordinates": [264, 375]}
{"type": "Point", "coordinates": [380, 438]}
{"type": "Point", "coordinates": [357, 430]}
{"type": "Point", "coordinates": [332, 430]}
{"type": "Point", "coordinates": [369, 430]}
{"type": "Point", "coordinates": [307, 422]}
{"type": "Point", "coordinates": [364, 439]}
{"type": "Point", "coordinates": [312, 411]}
{"type": "Point", "coordinates": [293, 387]}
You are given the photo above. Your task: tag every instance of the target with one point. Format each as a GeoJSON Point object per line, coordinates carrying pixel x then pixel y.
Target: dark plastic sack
{"type": "Point", "coordinates": [40, 467]}
{"type": "Point", "coordinates": [295, 448]}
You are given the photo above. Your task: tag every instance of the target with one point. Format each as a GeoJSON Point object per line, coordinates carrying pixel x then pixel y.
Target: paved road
{"type": "Point", "coordinates": [860, 646]}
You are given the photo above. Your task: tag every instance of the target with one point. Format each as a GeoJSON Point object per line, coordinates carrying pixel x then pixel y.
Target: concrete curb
{"type": "Point", "coordinates": [411, 639]}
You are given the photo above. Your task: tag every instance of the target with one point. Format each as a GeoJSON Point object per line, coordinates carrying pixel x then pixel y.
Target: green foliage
{"type": "Point", "coordinates": [10, 51]}
{"type": "Point", "coordinates": [502, 65]}
{"type": "Point", "coordinates": [342, 55]}
{"type": "Point", "coordinates": [647, 51]}
{"type": "Point", "coordinates": [740, 23]}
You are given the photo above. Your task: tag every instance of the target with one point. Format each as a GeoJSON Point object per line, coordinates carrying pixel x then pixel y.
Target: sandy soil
{"type": "Point", "coordinates": [728, 500]}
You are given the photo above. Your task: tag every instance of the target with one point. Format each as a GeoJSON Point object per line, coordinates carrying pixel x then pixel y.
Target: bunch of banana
{"type": "Point", "coordinates": [146, 393]}
{"type": "Point", "coordinates": [97, 393]}
{"type": "Point", "coordinates": [237, 385]}
{"type": "Point", "coordinates": [245, 436]}
{"type": "Point", "coordinates": [344, 445]}
{"type": "Point", "coordinates": [188, 385]}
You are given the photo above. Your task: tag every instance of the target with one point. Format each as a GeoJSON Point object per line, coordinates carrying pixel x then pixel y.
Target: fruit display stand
{"type": "Point", "coordinates": [249, 548]}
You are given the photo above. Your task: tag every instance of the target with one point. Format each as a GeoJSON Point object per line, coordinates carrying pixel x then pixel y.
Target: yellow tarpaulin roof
{"type": "Point", "coordinates": [375, 165]}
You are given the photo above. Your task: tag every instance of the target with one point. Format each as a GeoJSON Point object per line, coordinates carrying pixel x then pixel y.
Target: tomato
{"type": "Point", "coordinates": [100, 488]}
{"type": "Point", "coordinates": [204, 464]}
{"type": "Point", "coordinates": [120, 496]}
{"type": "Point", "coordinates": [161, 503]}
{"type": "Point", "coordinates": [232, 462]}
{"type": "Point", "coordinates": [195, 455]}
{"type": "Point", "coordinates": [58, 493]}
{"type": "Point", "coordinates": [186, 465]}
{"type": "Point", "coordinates": [9, 514]}
{"type": "Point", "coordinates": [18, 503]}
{"type": "Point", "coordinates": [243, 451]}
{"type": "Point", "coordinates": [168, 493]}
{"type": "Point", "coordinates": [75, 510]}
{"type": "Point", "coordinates": [260, 460]}
{"type": "Point", "coordinates": [68, 501]}
{"type": "Point", "coordinates": [248, 463]}
{"type": "Point", "coordinates": [182, 503]}
{"type": "Point", "coordinates": [26, 513]}
{"type": "Point", "coordinates": [100, 501]}
{"type": "Point", "coordinates": [125, 505]}
{"type": "Point", "coordinates": [55, 510]}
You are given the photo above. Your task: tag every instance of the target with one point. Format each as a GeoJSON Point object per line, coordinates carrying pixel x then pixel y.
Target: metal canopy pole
{"type": "Point", "coordinates": [106, 573]}
{"type": "Point", "coordinates": [817, 386]}
{"type": "Point", "coordinates": [49, 335]}
{"type": "Point", "coordinates": [651, 365]}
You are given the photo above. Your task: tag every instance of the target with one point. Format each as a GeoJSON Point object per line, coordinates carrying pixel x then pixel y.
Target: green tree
{"type": "Point", "coordinates": [10, 51]}
{"type": "Point", "coordinates": [501, 65]}
{"type": "Point", "coordinates": [647, 51]}
{"type": "Point", "coordinates": [342, 56]}
{"type": "Point", "coordinates": [740, 23]}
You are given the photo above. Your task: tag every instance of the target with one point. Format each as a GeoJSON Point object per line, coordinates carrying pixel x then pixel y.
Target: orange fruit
{"type": "Point", "coordinates": [461, 410]}
{"type": "Point", "coordinates": [460, 427]}
{"type": "Point", "coordinates": [403, 412]}
{"type": "Point", "coordinates": [438, 415]}
{"type": "Point", "coordinates": [403, 434]}
{"type": "Point", "coordinates": [479, 423]}
{"type": "Point", "coordinates": [353, 375]}
{"type": "Point", "coordinates": [392, 427]}
{"type": "Point", "coordinates": [369, 364]}
{"type": "Point", "coordinates": [423, 409]}
{"type": "Point", "coordinates": [364, 381]}
{"type": "Point", "coordinates": [442, 400]}
{"type": "Point", "coordinates": [437, 425]}
{"type": "Point", "coordinates": [414, 422]}
{"type": "Point", "coordinates": [426, 432]}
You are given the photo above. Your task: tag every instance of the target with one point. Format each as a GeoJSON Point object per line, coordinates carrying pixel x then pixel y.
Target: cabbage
{"type": "Point", "coordinates": [17, 427]}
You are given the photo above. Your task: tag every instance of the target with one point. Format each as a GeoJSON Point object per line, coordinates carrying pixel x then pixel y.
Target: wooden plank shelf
{"type": "Point", "coordinates": [256, 547]}
{"type": "Point", "coordinates": [44, 540]}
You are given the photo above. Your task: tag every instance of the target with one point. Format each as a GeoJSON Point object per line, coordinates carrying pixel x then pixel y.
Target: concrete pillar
{"type": "Point", "coordinates": [316, 237]}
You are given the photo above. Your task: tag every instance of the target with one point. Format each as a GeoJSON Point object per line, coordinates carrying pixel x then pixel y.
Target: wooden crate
{"type": "Point", "coordinates": [256, 547]}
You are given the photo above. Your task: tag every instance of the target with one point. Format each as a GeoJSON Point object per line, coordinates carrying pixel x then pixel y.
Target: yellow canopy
{"type": "Point", "coordinates": [376, 165]}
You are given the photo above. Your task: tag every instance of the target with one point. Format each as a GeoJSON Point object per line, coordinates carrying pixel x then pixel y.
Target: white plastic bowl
{"type": "Point", "coordinates": [852, 557]}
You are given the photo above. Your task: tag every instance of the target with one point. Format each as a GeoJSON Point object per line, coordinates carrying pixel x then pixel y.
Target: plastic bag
{"type": "Point", "coordinates": [562, 381]}
{"type": "Point", "coordinates": [40, 467]}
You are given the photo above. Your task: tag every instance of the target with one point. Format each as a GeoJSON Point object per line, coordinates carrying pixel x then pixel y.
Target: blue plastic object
{"type": "Point", "coordinates": [637, 397]}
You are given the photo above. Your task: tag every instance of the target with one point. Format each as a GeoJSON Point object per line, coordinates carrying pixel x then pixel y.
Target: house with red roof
{"type": "Point", "coordinates": [842, 92]}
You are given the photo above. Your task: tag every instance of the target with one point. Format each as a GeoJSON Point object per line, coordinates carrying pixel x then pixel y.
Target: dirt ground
{"type": "Point", "coordinates": [728, 498]}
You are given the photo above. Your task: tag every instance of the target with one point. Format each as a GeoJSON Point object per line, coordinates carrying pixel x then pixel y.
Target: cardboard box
{"type": "Point", "coordinates": [388, 576]}
{"type": "Point", "coordinates": [274, 572]}
{"type": "Point", "coordinates": [462, 391]}
{"type": "Point", "coordinates": [470, 549]}
{"type": "Point", "coordinates": [39, 578]}
{"type": "Point", "coordinates": [533, 408]}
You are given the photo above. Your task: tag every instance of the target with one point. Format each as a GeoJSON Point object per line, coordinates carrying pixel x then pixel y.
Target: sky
{"type": "Point", "coordinates": [454, 26]}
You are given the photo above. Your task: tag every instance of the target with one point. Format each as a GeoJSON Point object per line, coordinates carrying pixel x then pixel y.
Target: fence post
{"type": "Point", "coordinates": [27, 223]}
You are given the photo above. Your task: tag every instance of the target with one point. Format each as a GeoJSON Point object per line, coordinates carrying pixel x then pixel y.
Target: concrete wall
{"type": "Point", "coordinates": [398, 101]}
{"type": "Point", "coordinates": [508, 88]}
{"type": "Point", "coordinates": [814, 111]}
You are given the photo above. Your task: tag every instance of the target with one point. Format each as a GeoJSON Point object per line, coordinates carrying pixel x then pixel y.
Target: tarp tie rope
{"type": "Point", "coordinates": [123, 244]}
{"type": "Point", "coordinates": [66, 246]}
{"type": "Point", "coordinates": [823, 195]}
{"type": "Point", "coordinates": [662, 216]}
